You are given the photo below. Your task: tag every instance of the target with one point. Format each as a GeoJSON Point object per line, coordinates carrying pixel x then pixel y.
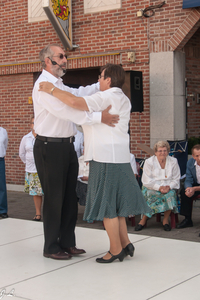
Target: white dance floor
{"type": "Point", "coordinates": [161, 269]}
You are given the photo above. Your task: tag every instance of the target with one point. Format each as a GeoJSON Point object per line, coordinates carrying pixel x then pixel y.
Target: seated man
{"type": "Point", "coordinates": [191, 187]}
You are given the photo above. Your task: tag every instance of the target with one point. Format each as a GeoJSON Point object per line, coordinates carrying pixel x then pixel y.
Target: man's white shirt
{"type": "Point", "coordinates": [3, 141]}
{"type": "Point", "coordinates": [54, 118]}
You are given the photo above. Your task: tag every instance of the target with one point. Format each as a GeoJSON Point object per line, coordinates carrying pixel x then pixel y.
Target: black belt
{"type": "Point", "coordinates": [70, 139]}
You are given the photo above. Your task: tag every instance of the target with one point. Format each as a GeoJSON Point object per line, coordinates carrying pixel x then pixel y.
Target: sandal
{"type": "Point", "coordinates": [37, 219]}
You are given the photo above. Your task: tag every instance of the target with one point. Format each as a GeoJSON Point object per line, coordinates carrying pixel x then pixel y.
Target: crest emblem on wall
{"type": "Point", "coordinates": [59, 13]}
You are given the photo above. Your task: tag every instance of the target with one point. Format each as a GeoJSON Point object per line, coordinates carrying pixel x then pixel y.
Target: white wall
{"type": "Point", "coordinates": [167, 96]}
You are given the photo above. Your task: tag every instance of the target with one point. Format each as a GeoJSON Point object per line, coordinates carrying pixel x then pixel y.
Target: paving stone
{"type": "Point", "coordinates": [21, 206]}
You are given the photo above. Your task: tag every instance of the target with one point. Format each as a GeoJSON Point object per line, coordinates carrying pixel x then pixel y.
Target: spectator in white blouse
{"type": "Point", "coordinates": [3, 191]}
{"type": "Point", "coordinates": [113, 192]}
{"type": "Point", "coordinates": [160, 179]}
{"type": "Point", "coordinates": [32, 182]}
{"type": "Point", "coordinates": [55, 158]}
{"type": "Point", "coordinates": [133, 165]}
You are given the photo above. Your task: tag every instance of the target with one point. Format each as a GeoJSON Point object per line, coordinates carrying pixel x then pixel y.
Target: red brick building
{"type": "Point", "coordinates": [166, 45]}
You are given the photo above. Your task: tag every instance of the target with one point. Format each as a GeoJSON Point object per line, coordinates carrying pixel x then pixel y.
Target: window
{"type": "Point", "coordinates": [91, 6]}
{"type": "Point", "coordinates": [35, 11]}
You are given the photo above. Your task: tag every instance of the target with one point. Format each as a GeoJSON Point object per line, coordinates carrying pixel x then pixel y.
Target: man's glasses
{"type": "Point", "coordinates": [61, 56]}
{"type": "Point", "coordinates": [100, 76]}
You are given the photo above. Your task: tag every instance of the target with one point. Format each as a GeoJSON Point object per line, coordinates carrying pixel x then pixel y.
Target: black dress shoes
{"type": "Point", "coordinates": [119, 256]}
{"type": "Point", "coordinates": [59, 255]}
{"type": "Point", "coordinates": [4, 215]}
{"type": "Point", "coordinates": [74, 250]}
{"type": "Point", "coordinates": [129, 249]}
{"type": "Point", "coordinates": [185, 223]}
{"type": "Point", "coordinates": [139, 227]}
{"type": "Point", "coordinates": [167, 227]}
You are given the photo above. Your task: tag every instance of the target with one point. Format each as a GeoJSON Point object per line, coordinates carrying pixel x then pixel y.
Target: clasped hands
{"type": "Point", "coordinates": [189, 192]}
{"type": "Point", "coordinates": [84, 178]}
{"type": "Point", "coordinates": [164, 189]}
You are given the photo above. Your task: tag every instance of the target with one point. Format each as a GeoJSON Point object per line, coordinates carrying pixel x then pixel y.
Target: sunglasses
{"type": "Point", "coordinates": [61, 56]}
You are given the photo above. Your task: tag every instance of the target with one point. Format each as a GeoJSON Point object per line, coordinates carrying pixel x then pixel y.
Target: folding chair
{"type": "Point", "coordinates": [179, 150]}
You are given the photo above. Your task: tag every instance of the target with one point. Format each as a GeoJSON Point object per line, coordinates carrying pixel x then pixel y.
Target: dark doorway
{"type": "Point", "coordinates": [81, 77]}
{"type": "Point", "coordinates": [77, 77]}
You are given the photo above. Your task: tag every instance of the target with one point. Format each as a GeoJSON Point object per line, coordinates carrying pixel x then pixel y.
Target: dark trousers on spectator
{"type": "Point", "coordinates": [57, 167]}
{"type": "Point", "coordinates": [3, 192]}
{"type": "Point", "coordinates": [186, 204]}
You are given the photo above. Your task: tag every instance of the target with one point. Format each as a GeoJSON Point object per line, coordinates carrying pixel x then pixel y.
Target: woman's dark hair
{"type": "Point", "coordinates": [116, 73]}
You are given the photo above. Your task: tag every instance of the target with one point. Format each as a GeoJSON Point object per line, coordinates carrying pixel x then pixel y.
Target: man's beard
{"type": "Point", "coordinates": [57, 71]}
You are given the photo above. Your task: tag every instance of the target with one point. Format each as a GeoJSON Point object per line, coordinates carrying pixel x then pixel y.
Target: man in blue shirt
{"type": "Point", "coordinates": [191, 187]}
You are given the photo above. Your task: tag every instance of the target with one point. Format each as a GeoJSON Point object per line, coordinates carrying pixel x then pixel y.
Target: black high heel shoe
{"type": "Point", "coordinates": [119, 256]}
{"type": "Point", "coordinates": [129, 249]}
{"type": "Point", "coordinates": [36, 218]}
{"type": "Point", "coordinates": [139, 227]}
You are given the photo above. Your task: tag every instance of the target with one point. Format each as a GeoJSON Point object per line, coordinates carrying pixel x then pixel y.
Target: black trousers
{"type": "Point", "coordinates": [186, 204]}
{"type": "Point", "coordinates": [57, 167]}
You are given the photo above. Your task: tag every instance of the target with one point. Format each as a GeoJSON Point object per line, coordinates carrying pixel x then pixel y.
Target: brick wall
{"type": "Point", "coordinates": [105, 32]}
{"type": "Point", "coordinates": [192, 51]}
{"type": "Point", "coordinates": [98, 32]}
{"type": "Point", "coordinates": [15, 115]}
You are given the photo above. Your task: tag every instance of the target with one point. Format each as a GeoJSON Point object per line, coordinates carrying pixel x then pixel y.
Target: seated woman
{"type": "Point", "coordinates": [160, 179]}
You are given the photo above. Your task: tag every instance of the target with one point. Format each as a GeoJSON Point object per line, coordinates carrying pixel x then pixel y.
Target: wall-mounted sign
{"type": "Point", "coordinates": [30, 100]}
{"type": "Point", "coordinates": [191, 3]}
{"type": "Point", "coordinates": [59, 13]}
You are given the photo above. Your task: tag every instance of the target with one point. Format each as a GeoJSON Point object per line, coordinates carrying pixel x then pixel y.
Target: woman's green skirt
{"type": "Point", "coordinates": [113, 191]}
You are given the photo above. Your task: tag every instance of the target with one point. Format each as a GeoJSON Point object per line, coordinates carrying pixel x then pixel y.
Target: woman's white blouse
{"type": "Point", "coordinates": [26, 152]}
{"type": "Point", "coordinates": [3, 141]}
{"type": "Point", "coordinates": [154, 176]}
{"type": "Point", "coordinates": [104, 143]}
